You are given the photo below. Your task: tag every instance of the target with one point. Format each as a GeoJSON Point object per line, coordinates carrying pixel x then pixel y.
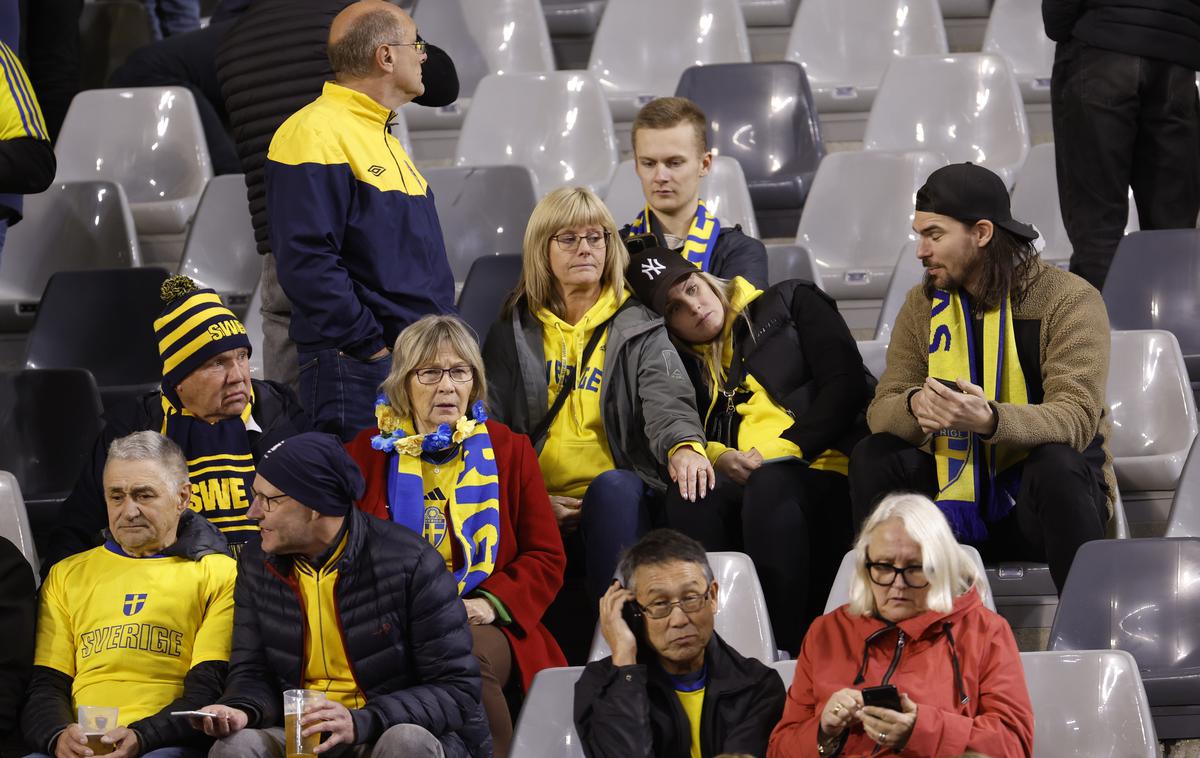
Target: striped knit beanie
{"type": "Point", "coordinates": [193, 327]}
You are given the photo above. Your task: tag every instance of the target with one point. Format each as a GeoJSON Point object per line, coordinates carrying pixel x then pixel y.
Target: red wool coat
{"type": "Point", "coordinates": [530, 560]}
{"type": "Point", "coordinates": [996, 720]}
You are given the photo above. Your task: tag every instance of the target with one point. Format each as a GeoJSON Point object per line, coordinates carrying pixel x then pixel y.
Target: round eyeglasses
{"type": "Point", "coordinates": [884, 574]}
{"type": "Point", "coordinates": [660, 609]}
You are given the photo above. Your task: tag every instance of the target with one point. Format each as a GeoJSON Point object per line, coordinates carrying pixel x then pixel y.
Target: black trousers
{"type": "Point", "coordinates": [1122, 121]}
{"type": "Point", "coordinates": [793, 522]}
{"type": "Point", "coordinates": [1060, 506]}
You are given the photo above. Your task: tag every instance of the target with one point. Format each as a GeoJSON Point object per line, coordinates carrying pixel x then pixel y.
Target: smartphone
{"type": "Point", "coordinates": [632, 613]}
{"type": "Point", "coordinates": [883, 696]}
{"type": "Point", "coordinates": [194, 714]}
{"type": "Point", "coordinates": [636, 243]}
{"type": "Point", "coordinates": [950, 384]}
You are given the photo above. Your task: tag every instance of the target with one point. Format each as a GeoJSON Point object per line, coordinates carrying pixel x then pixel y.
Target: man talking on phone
{"type": "Point", "coordinates": [672, 687]}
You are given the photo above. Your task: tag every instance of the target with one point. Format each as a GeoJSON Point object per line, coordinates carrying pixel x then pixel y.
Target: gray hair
{"type": "Point", "coordinates": [152, 446]}
{"type": "Point", "coordinates": [662, 546]}
{"type": "Point", "coordinates": [354, 54]}
{"type": "Point", "coordinates": [950, 570]}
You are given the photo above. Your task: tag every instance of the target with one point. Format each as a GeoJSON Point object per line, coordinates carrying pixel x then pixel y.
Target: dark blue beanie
{"type": "Point", "coordinates": [316, 470]}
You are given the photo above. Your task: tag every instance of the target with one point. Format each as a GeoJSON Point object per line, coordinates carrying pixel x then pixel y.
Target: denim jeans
{"type": "Point", "coordinates": [339, 391]}
{"type": "Point", "coordinates": [616, 513]}
{"type": "Point", "coordinates": [169, 17]}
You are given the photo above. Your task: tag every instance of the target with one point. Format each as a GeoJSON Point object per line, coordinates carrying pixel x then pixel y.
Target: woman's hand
{"type": "Point", "coordinates": [616, 632]}
{"type": "Point", "coordinates": [692, 472]}
{"type": "Point", "coordinates": [738, 465]}
{"type": "Point", "coordinates": [567, 511]}
{"type": "Point", "coordinates": [887, 727]}
{"type": "Point", "coordinates": [839, 711]}
{"type": "Point", "coordinates": [479, 611]}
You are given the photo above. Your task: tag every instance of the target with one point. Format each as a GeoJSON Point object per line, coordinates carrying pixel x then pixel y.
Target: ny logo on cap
{"type": "Point", "coordinates": [652, 268]}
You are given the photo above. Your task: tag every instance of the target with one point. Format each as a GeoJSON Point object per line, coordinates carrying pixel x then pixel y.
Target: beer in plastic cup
{"type": "Point", "coordinates": [96, 722]}
{"type": "Point", "coordinates": [295, 703]}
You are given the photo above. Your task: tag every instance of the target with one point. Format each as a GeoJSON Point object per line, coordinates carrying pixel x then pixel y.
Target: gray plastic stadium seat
{"type": "Point", "coordinates": [908, 273]}
{"type": "Point", "coordinates": [572, 17]}
{"type": "Point", "coordinates": [14, 521]}
{"type": "Point", "coordinates": [1015, 31]}
{"type": "Point", "coordinates": [1141, 596]}
{"type": "Point", "coordinates": [1089, 704]}
{"type": "Point", "coordinates": [147, 139]}
{"type": "Point", "coordinates": [768, 12]}
{"type": "Point", "coordinates": [966, 106]}
{"type": "Point", "coordinates": [839, 593]}
{"type": "Point", "coordinates": [253, 321]}
{"type": "Point", "coordinates": [511, 34]}
{"type": "Point", "coordinates": [791, 262]}
{"type": "Point", "coordinates": [763, 115]}
{"type": "Point", "coordinates": [859, 214]}
{"type": "Point", "coordinates": [571, 142]}
{"type": "Point", "coordinates": [786, 671]}
{"type": "Point", "coordinates": [486, 288]}
{"type": "Point", "coordinates": [741, 618]}
{"type": "Point", "coordinates": [874, 355]}
{"type": "Point", "coordinates": [483, 211]}
{"type": "Point", "coordinates": [1184, 520]}
{"type": "Point", "coordinates": [70, 226]}
{"type": "Point", "coordinates": [443, 23]}
{"type": "Point", "coordinates": [220, 251]}
{"type": "Point", "coordinates": [966, 8]}
{"type": "Point", "coordinates": [546, 726]}
{"type": "Point", "coordinates": [723, 191]}
{"type": "Point", "coordinates": [1154, 283]}
{"type": "Point", "coordinates": [845, 46]}
{"type": "Point", "coordinates": [633, 61]}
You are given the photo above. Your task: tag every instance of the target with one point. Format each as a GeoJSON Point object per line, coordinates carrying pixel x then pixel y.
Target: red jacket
{"type": "Point", "coordinates": [530, 560]}
{"type": "Point", "coordinates": [996, 720]}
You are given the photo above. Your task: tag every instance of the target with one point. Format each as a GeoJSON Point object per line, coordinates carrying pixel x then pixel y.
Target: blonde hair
{"type": "Point", "coordinates": [713, 351]}
{"type": "Point", "coordinates": [564, 208]}
{"type": "Point", "coordinates": [950, 570]}
{"type": "Point", "coordinates": [418, 344]}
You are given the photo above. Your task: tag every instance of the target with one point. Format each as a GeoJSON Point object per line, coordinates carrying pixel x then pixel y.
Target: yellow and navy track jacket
{"type": "Point", "coordinates": [353, 227]}
{"type": "Point", "coordinates": [26, 158]}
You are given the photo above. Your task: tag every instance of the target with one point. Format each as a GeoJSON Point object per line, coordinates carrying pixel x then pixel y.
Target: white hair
{"type": "Point", "coordinates": [949, 568]}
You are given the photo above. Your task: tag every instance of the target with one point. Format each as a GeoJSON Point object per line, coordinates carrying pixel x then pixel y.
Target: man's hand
{"type": "Point", "coordinates": [889, 728]}
{"type": "Point", "coordinates": [616, 632]}
{"type": "Point", "coordinates": [480, 611]}
{"type": "Point", "coordinates": [692, 472]}
{"type": "Point", "coordinates": [223, 723]}
{"type": "Point", "coordinates": [737, 465]}
{"type": "Point", "coordinates": [72, 743]}
{"type": "Point", "coordinates": [938, 407]}
{"type": "Point", "coordinates": [125, 740]}
{"type": "Point", "coordinates": [567, 511]}
{"type": "Point", "coordinates": [328, 716]}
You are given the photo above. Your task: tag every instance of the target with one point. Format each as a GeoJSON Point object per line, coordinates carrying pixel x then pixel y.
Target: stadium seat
{"type": "Point", "coordinates": [845, 46]}
{"type": "Point", "coordinates": [839, 594]}
{"type": "Point", "coordinates": [1184, 520]}
{"type": "Point", "coordinates": [220, 251]}
{"type": "Point", "coordinates": [50, 418]}
{"type": "Point", "coordinates": [1154, 283]}
{"type": "Point", "coordinates": [768, 12]}
{"type": "Point", "coordinates": [147, 139]}
{"type": "Point", "coordinates": [253, 321]}
{"type": "Point", "coordinates": [967, 107]}
{"type": "Point", "coordinates": [572, 17]}
{"type": "Point", "coordinates": [571, 141]}
{"type": "Point", "coordinates": [511, 33]}
{"type": "Point", "coordinates": [444, 24]}
{"type": "Point", "coordinates": [633, 60]}
{"type": "Point", "coordinates": [1015, 31]}
{"type": "Point", "coordinates": [786, 671]}
{"type": "Point", "coordinates": [108, 33]}
{"type": "Point", "coordinates": [1141, 596]}
{"type": "Point", "coordinates": [546, 726]}
{"type": "Point", "coordinates": [1088, 704]}
{"type": "Point", "coordinates": [72, 225]}
{"type": "Point", "coordinates": [14, 521]}
{"type": "Point", "coordinates": [763, 115]}
{"type": "Point", "coordinates": [858, 215]}
{"type": "Point", "coordinates": [908, 273]}
{"type": "Point", "coordinates": [790, 262]}
{"type": "Point", "coordinates": [874, 355]}
{"type": "Point", "coordinates": [966, 8]}
{"type": "Point", "coordinates": [723, 191]}
{"type": "Point", "coordinates": [483, 211]}
{"type": "Point", "coordinates": [487, 286]}
{"type": "Point", "coordinates": [741, 618]}
{"type": "Point", "coordinates": [102, 321]}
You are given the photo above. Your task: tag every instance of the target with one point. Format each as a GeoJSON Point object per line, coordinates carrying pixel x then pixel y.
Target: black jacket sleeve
{"type": "Point", "coordinates": [612, 711]}
{"type": "Point", "coordinates": [251, 684]}
{"type": "Point", "coordinates": [440, 78]}
{"type": "Point", "coordinates": [18, 613]}
{"type": "Point", "coordinates": [201, 686]}
{"type": "Point", "coordinates": [1059, 17]}
{"type": "Point", "coordinates": [741, 255]}
{"type": "Point", "coordinates": [26, 165]}
{"type": "Point", "coordinates": [752, 730]}
{"type": "Point", "coordinates": [47, 708]}
{"type": "Point", "coordinates": [504, 385]}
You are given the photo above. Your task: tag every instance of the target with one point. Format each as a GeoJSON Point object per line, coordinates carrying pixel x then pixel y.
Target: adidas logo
{"type": "Point", "coordinates": [435, 494]}
{"type": "Point", "coordinates": [377, 170]}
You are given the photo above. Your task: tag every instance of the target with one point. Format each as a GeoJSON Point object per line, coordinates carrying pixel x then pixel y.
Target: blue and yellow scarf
{"type": "Point", "coordinates": [474, 505]}
{"type": "Point", "coordinates": [701, 239]}
{"type": "Point", "coordinates": [952, 352]}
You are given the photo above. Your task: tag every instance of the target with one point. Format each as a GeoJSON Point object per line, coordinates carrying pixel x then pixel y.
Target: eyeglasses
{"type": "Point", "coordinates": [569, 241]}
{"type": "Point", "coordinates": [458, 374]}
{"type": "Point", "coordinates": [418, 46]}
{"type": "Point", "coordinates": [660, 609]}
{"type": "Point", "coordinates": [268, 501]}
{"type": "Point", "coordinates": [884, 574]}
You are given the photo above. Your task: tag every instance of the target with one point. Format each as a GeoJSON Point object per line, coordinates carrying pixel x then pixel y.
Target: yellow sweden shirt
{"type": "Point", "coordinates": [326, 666]}
{"type": "Point", "coordinates": [692, 703]}
{"type": "Point", "coordinates": [129, 629]}
{"type": "Point", "coordinates": [440, 481]}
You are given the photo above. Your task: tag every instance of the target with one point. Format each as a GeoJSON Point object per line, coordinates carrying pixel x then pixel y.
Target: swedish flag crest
{"type": "Point", "coordinates": [134, 602]}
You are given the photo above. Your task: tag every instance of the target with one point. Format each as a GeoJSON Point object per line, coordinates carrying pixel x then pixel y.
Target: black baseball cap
{"type": "Point", "coordinates": [970, 193]}
{"type": "Point", "coordinates": [652, 272]}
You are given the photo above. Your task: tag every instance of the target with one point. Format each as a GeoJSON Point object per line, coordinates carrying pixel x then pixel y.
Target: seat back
{"type": "Point", "coordinates": [487, 286]}
{"type": "Point", "coordinates": [859, 214]}
{"type": "Point", "coordinates": [444, 23]}
{"type": "Point", "coordinates": [966, 106]}
{"type": "Point", "coordinates": [1184, 520]}
{"type": "Point", "coordinates": [908, 273]}
{"type": "Point", "coordinates": [546, 726]}
{"type": "Point", "coordinates": [483, 210]}
{"type": "Point", "coordinates": [1015, 31]}
{"type": "Point", "coordinates": [761, 114]}
{"type": "Point", "coordinates": [253, 321]}
{"type": "Point", "coordinates": [1152, 410]}
{"type": "Point", "coordinates": [791, 262]}
{"type": "Point", "coordinates": [839, 593]}
{"type": "Point", "coordinates": [846, 45]}
{"type": "Point", "coordinates": [741, 618]}
{"type": "Point", "coordinates": [724, 193]}
{"type": "Point", "coordinates": [14, 521]}
{"type": "Point", "coordinates": [1088, 704]}
{"type": "Point", "coordinates": [786, 671]}
{"type": "Point", "coordinates": [220, 251]}
{"type": "Point", "coordinates": [511, 34]}
{"type": "Point", "coordinates": [571, 141]}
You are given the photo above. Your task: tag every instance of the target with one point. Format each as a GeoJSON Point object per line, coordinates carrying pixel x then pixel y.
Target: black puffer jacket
{"type": "Point", "coordinates": [404, 628]}
{"type": "Point", "coordinates": [272, 63]}
{"type": "Point", "coordinates": [1166, 30]}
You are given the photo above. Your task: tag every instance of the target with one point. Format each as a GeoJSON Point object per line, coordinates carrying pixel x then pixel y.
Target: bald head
{"type": "Point", "coordinates": [358, 32]}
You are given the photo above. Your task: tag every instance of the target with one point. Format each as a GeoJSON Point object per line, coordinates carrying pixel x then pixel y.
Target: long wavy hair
{"type": "Point", "coordinates": [1007, 265]}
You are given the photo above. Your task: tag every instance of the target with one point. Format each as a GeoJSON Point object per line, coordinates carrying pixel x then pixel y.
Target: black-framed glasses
{"type": "Point", "coordinates": [569, 241]}
{"type": "Point", "coordinates": [418, 46]}
{"type": "Point", "coordinates": [458, 374]}
{"type": "Point", "coordinates": [660, 609]}
{"type": "Point", "coordinates": [884, 574]}
{"type": "Point", "coordinates": [268, 501]}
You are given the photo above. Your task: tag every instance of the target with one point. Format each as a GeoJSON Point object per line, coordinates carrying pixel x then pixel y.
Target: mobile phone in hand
{"type": "Point", "coordinates": [949, 383]}
{"type": "Point", "coordinates": [883, 696]}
